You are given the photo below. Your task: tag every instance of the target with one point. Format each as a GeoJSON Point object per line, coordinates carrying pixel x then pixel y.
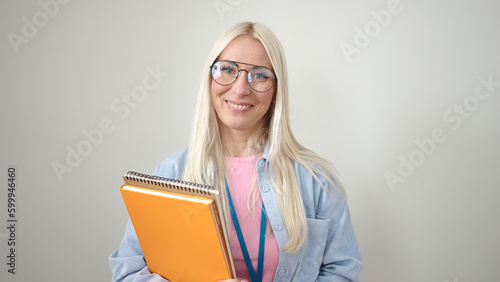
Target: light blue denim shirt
{"type": "Point", "coordinates": [329, 253]}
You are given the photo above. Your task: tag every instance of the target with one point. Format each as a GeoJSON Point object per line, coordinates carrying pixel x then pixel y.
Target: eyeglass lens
{"type": "Point", "coordinates": [259, 78]}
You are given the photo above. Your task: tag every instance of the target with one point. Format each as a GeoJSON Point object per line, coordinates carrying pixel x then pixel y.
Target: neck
{"type": "Point", "coordinates": [236, 142]}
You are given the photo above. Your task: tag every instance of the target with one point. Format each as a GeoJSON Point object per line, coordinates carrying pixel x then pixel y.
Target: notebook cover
{"type": "Point", "coordinates": [180, 235]}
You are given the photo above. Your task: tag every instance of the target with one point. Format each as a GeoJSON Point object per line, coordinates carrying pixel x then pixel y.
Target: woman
{"type": "Point", "coordinates": [242, 144]}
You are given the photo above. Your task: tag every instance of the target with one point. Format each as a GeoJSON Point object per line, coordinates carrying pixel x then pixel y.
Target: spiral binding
{"type": "Point", "coordinates": [173, 184]}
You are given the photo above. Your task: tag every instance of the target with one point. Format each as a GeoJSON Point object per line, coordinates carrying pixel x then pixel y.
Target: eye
{"type": "Point", "coordinates": [260, 76]}
{"type": "Point", "coordinates": [228, 69]}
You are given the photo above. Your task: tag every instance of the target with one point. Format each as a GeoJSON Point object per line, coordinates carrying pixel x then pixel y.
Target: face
{"type": "Point", "coordinates": [241, 109]}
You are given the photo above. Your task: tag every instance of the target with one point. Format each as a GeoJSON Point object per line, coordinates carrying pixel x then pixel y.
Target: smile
{"type": "Point", "coordinates": [236, 106]}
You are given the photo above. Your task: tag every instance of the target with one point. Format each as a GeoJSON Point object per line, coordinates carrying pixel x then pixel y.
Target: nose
{"type": "Point", "coordinates": [240, 86]}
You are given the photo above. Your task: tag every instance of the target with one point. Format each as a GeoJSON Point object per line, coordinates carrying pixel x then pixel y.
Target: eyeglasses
{"type": "Point", "coordinates": [260, 78]}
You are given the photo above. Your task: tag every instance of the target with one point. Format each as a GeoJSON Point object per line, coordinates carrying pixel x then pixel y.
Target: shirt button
{"type": "Point", "coordinates": [281, 272]}
{"type": "Point", "coordinates": [262, 163]}
{"type": "Point", "coordinates": [278, 226]}
{"type": "Point", "coordinates": [265, 188]}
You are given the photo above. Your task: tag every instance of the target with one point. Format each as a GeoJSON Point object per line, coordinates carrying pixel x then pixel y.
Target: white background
{"type": "Point", "coordinates": [365, 112]}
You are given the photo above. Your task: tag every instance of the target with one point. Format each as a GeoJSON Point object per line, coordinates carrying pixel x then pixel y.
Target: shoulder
{"type": "Point", "coordinates": [316, 175]}
{"type": "Point", "coordinates": [319, 189]}
{"type": "Point", "coordinates": [172, 166]}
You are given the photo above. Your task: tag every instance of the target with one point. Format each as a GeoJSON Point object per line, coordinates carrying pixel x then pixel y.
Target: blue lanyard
{"type": "Point", "coordinates": [244, 250]}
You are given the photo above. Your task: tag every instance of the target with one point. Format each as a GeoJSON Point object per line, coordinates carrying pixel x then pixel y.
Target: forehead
{"type": "Point", "coordinates": [247, 50]}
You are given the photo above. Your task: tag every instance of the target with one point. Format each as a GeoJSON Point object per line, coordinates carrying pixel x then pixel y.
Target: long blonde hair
{"type": "Point", "coordinates": [205, 162]}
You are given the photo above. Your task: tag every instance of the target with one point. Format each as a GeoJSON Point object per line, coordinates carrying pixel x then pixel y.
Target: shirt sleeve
{"type": "Point", "coordinates": [127, 263]}
{"type": "Point", "coordinates": [342, 259]}
{"type": "Point", "coordinates": [330, 251]}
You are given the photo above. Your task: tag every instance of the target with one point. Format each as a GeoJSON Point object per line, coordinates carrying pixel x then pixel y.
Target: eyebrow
{"type": "Point", "coordinates": [243, 63]}
{"type": "Point", "coordinates": [246, 64]}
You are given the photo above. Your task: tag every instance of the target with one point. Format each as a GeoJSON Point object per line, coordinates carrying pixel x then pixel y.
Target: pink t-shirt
{"type": "Point", "coordinates": [242, 174]}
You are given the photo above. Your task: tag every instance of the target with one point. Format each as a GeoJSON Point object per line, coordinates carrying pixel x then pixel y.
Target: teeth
{"type": "Point", "coordinates": [239, 106]}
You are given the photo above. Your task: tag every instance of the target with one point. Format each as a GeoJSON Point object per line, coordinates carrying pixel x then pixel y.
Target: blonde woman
{"type": "Point", "coordinates": [242, 144]}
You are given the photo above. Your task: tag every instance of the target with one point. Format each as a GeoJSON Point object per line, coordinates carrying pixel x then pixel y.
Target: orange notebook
{"type": "Point", "coordinates": [179, 227]}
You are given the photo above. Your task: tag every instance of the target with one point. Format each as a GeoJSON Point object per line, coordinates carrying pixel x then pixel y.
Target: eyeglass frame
{"type": "Point", "coordinates": [238, 75]}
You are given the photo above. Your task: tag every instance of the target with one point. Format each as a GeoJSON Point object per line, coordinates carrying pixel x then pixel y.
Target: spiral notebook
{"type": "Point", "coordinates": [180, 227]}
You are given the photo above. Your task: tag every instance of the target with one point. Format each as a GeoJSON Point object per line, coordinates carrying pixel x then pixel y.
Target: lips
{"type": "Point", "coordinates": [238, 105]}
